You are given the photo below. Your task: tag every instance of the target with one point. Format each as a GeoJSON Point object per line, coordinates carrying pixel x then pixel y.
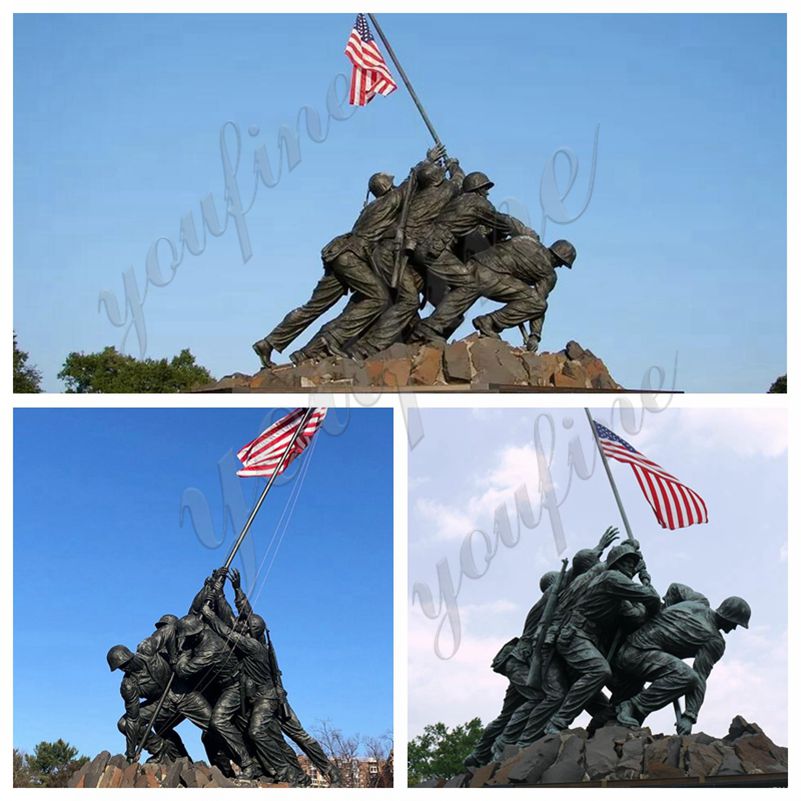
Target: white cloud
{"type": "Point", "coordinates": [742, 432]}
{"type": "Point", "coordinates": [514, 467]}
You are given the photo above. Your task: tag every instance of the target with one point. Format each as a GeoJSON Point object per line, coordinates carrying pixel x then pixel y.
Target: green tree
{"type": "Point", "coordinates": [50, 765]}
{"type": "Point", "coordinates": [439, 751]}
{"type": "Point", "coordinates": [779, 385]}
{"type": "Point", "coordinates": [26, 376]}
{"type": "Point", "coordinates": [111, 371]}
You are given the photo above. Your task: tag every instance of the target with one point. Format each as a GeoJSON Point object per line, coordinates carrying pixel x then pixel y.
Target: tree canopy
{"type": "Point", "coordinates": [50, 765]}
{"type": "Point", "coordinates": [111, 371]}
{"type": "Point", "coordinates": [440, 751]}
{"type": "Point", "coordinates": [779, 385]}
{"type": "Point", "coordinates": [26, 377]}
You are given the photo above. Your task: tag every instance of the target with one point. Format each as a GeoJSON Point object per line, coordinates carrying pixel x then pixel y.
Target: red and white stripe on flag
{"type": "Point", "coordinates": [370, 75]}
{"type": "Point", "coordinates": [675, 504]}
{"type": "Point", "coordinates": [261, 456]}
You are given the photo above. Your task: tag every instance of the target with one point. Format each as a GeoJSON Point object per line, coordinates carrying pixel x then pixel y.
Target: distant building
{"type": "Point", "coordinates": [356, 772]}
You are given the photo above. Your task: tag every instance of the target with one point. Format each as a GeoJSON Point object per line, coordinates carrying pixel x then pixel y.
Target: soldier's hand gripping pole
{"type": "Point", "coordinates": [535, 670]}
{"type": "Point", "coordinates": [239, 540]}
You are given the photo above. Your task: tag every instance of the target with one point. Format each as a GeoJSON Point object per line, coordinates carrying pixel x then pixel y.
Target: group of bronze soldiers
{"type": "Point", "coordinates": [595, 627]}
{"type": "Point", "coordinates": [435, 239]}
{"type": "Point", "coordinates": [218, 670]}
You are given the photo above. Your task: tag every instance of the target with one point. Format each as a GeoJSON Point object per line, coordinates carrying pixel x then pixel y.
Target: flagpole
{"type": "Point", "coordinates": [619, 633]}
{"type": "Point", "coordinates": [405, 79]}
{"type": "Point", "coordinates": [239, 540]}
{"type": "Point", "coordinates": [268, 487]}
{"type": "Point", "coordinates": [609, 475]}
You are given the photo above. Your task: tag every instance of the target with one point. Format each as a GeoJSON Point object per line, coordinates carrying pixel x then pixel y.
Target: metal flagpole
{"type": "Point", "coordinates": [405, 79]}
{"type": "Point", "coordinates": [239, 540]}
{"type": "Point", "coordinates": [619, 634]}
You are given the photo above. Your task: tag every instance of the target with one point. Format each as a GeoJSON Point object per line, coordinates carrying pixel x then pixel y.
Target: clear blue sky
{"type": "Point", "coordinates": [681, 248]}
{"type": "Point", "coordinates": [100, 554]}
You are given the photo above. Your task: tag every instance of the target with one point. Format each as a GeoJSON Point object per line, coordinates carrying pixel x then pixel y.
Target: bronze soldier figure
{"type": "Point", "coordinates": [654, 653]}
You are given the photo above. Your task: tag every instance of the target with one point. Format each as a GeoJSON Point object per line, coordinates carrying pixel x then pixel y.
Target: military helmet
{"type": "Point", "coordinates": [257, 626]}
{"type": "Point", "coordinates": [166, 620]}
{"type": "Point", "coordinates": [564, 251]}
{"type": "Point", "coordinates": [735, 610]}
{"type": "Point", "coordinates": [189, 625]}
{"type": "Point", "coordinates": [380, 183]}
{"type": "Point", "coordinates": [584, 560]}
{"type": "Point", "coordinates": [429, 173]}
{"type": "Point", "coordinates": [118, 656]}
{"type": "Point", "coordinates": [548, 579]}
{"type": "Point", "coordinates": [476, 180]}
{"type": "Point", "coordinates": [621, 552]}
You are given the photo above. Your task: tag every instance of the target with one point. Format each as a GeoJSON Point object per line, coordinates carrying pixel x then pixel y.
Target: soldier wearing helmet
{"type": "Point", "coordinates": [162, 640]}
{"type": "Point", "coordinates": [207, 664]}
{"type": "Point", "coordinates": [432, 194]}
{"type": "Point", "coordinates": [513, 661]}
{"type": "Point", "coordinates": [686, 628]}
{"type": "Point", "coordinates": [610, 600]}
{"type": "Point", "coordinates": [528, 721]}
{"type": "Point", "coordinates": [346, 268]}
{"type": "Point", "coordinates": [519, 272]}
{"type": "Point", "coordinates": [145, 677]}
{"type": "Point", "coordinates": [270, 706]}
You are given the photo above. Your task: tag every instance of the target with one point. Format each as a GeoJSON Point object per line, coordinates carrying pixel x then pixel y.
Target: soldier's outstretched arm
{"type": "Point", "coordinates": [709, 653]}
{"type": "Point", "coordinates": [607, 538]}
{"type": "Point", "coordinates": [240, 599]}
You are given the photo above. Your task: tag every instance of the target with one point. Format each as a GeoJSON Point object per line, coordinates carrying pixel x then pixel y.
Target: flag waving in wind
{"type": "Point", "coordinates": [262, 456]}
{"type": "Point", "coordinates": [370, 75]}
{"type": "Point", "coordinates": [675, 504]}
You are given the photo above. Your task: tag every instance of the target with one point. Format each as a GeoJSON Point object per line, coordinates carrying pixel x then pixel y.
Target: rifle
{"type": "Point", "coordinates": [535, 671]}
{"type": "Point", "coordinates": [400, 232]}
{"type": "Point", "coordinates": [275, 672]}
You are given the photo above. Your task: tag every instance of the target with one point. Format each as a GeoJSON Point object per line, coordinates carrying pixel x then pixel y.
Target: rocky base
{"type": "Point", "coordinates": [471, 364]}
{"type": "Point", "coordinates": [114, 771]}
{"type": "Point", "coordinates": [619, 754]}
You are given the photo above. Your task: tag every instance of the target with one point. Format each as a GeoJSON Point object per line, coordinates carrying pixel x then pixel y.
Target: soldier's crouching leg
{"type": "Point", "coordinates": [670, 678]}
{"type": "Point", "coordinates": [293, 729]}
{"type": "Point", "coordinates": [265, 734]}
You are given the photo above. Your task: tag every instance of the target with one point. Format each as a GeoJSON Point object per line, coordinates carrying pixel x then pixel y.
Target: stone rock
{"type": "Point", "coordinates": [217, 779]}
{"type": "Point", "coordinates": [495, 362]}
{"type": "Point", "coordinates": [730, 764]}
{"type": "Point", "coordinates": [529, 765]}
{"type": "Point", "coordinates": [432, 783]}
{"type": "Point", "coordinates": [701, 759]}
{"type": "Point", "coordinates": [661, 758]}
{"type": "Point", "coordinates": [112, 777]}
{"type": "Point", "coordinates": [129, 775]}
{"type": "Point", "coordinates": [759, 754]}
{"type": "Point", "coordinates": [427, 367]}
{"type": "Point", "coordinates": [602, 750]}
{"type": "Point", "coordinates": [569, 765]}
{"type": "Point", "coordinates": [632, 757]}
{"type": "Point", "coordinates": [188, 776]}
{"type": "Point", "coordinates": [740, 726]}
{"type": "Point", "coordinates": [574, 351]}
{"type": "Point", "coordinates": [96, 768]}
{"type": "Point", "coordinates": [458, 368]}
{"type": "Point", "coordinates": [482, 775]}
{"type": "Point", "coordinates": [460, 780]}
{"type": "Point", "coordinates": [480, 362]}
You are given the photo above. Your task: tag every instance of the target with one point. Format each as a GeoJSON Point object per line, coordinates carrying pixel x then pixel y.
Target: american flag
{"type": "Point", "coordinates": [261, 457]}
{"type": "Point", "coordinates": [675, 504]}
{"type": "Point", "coordinates": [370, 74]}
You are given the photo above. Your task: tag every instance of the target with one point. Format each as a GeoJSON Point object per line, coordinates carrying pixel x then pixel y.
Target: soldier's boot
{"type": "Point", "coordinates": [629, 715]}
{"type": "Point", "coordinates": [483, 324]}
{"type": "Point", "coordinates": [532, 343]}
{"type": "Point", "coordinates": [264, 350]}
{"type": "Point", "coordinates": [472, 761]}
{"type": "Point", "coordinates": [251, 770]}
{"type": "Point", "coordinates": [334, 776]}
{"type": "Point", "coordinates": [553, 728]}
{"type": "Point", "coordinates": [334, 348]}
